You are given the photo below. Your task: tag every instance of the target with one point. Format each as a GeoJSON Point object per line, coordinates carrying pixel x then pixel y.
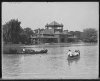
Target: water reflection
{"type": "Point", "coordinates": [53, 64]}
{"type": "Point", "coordinates": [11, 65]}
{"type": "Point", "coordinates": [90, 57]}
{"type": "Point", "coordinates": [70, 61]}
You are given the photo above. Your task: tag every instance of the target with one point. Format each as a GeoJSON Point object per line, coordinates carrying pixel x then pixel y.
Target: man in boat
{"type": "Point", "coordinates": [23, 50]}
{"type": "Point", "coordinates": [69, 53]}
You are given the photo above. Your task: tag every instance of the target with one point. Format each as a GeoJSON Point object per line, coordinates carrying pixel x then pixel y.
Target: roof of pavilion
{"type": "Point", "coordinates": [47, 31]}
{"type": "Point", "coordinates": [54, 24]}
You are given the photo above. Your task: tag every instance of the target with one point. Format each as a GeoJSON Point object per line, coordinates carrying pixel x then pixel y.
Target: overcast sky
{"type": "Point", "coordinates": [73, 15]}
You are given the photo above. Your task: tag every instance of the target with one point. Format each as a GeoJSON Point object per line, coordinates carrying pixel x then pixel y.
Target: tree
{"type": "Point", "coordinates": [89, 35]}
{"type": "Point", "coordinates": [23, 37]}
{"type": "Point", "coordinates": [11, 31]}
{"type": "Point", "coordinates": [78, 34]}
{"type": "Point", "coordinates": [28, 32]}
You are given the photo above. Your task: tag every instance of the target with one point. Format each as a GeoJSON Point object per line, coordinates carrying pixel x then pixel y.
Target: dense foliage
{"type": "Point", "coordinates": [11, 31]}
{"type": "Point", "coordinates": [76, 34]}
{"type": "Point", "coordinates": [14, 33]}
{"type": "Point", "coordinates": [89, 35]}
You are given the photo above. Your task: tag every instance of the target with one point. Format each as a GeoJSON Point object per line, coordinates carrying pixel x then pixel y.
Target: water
{"type": "Point", "coordinates": [53, 65]}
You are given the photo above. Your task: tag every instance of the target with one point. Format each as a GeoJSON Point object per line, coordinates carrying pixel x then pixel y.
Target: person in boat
{"type": "Point", "coordinates": [44, 49]}
{"type": "Point", "coordinates": [23, 50]}
{"type": "Point", "coordinates": [76, 52]}
{"type": "Point", "coordinates": [69, 53]}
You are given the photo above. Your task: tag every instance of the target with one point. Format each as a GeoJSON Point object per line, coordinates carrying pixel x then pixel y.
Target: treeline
{"type": "Point", "coordinates": [14, 33]}
{"type": "Point", "coordinates": [88, 35]}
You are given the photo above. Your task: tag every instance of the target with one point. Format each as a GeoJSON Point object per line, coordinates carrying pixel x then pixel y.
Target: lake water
{"type": "Point", "coordinates": [53, 65]}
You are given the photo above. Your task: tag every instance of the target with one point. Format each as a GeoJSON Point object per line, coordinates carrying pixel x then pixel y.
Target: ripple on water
{"type": "Point", "coordinates": [54, 64]}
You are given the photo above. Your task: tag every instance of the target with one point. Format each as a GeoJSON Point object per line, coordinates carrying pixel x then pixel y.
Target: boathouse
{"type": "Point", "coordinates": [52, 33]}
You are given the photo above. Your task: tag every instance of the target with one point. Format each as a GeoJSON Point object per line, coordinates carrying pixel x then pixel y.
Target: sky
{"type": "Point", "coordinates": [75, 16]}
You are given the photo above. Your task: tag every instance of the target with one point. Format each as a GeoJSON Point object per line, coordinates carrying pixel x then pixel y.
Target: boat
{"type": "Point", "coordinates": [27, 52]}
{"type": "Point", "coordinates": [38, 52]}
{"type": "Point", "coordinates": [34, 52]}
{"type": "Point", "coordinates": [73, 57]}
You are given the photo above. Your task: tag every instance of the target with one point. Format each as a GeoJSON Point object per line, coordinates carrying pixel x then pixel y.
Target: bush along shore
{"type": "Point", "coordinates": [12, 48]}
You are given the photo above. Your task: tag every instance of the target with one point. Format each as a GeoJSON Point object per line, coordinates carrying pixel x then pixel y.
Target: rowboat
{"type": "Point", "coordinates": [73, 56]}
{"type": "Point", "coordinates": [14, 51]}
{"type": "Point", "coordinates": [35, 52]}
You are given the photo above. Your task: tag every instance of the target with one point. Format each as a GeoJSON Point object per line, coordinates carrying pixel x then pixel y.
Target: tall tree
{"type": "Point", "coordinates": [28, 31]}
{"type": "Point", "coordinates": [11, 31]}
{"type": "Point", "coordinates": [23, 37]}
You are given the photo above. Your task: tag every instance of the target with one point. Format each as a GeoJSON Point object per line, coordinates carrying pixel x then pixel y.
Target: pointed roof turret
{"type": "Point", "coordinates": [54, 24]}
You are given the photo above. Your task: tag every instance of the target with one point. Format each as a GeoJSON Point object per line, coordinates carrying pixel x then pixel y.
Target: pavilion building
{"type": "Point", "coordinates": [53, 33]}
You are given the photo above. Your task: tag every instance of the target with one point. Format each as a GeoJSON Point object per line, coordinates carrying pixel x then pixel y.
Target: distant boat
{"type": "Point", "coordinates": [37, 52]}
{"type": "Point", "coordinates": [13, 51]}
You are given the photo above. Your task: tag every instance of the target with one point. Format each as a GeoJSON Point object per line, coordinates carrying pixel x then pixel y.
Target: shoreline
{"type": "Point", "coordinates": [7, 47]}
{"type": "Point", "coordinates": [18, 46]}
{"type": "Point", "coordinates": [48, 44]}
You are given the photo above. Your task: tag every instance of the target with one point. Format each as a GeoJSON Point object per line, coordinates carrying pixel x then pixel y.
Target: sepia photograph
{"type": "Point", "coordinates": [50, 40]}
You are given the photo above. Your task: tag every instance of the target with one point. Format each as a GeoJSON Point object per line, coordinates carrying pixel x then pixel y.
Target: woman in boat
{"type": "Point", "coordinates": [69, 53]}
{"type": "Point", "coordinates": [76, 52]}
